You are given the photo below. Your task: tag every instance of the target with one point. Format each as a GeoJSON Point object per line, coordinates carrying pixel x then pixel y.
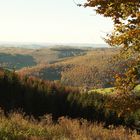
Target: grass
{"type": "Point", "coordinates": [137, 88]}
{"type": "Point", "coordinates": [103, 90]}
{"type": "Point", "coordinates": [18, 127]}
{"type": "Point", "coordinates": [111, 90]}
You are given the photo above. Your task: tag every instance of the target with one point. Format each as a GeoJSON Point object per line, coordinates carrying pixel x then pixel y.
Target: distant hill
{"type": "Point", "coordinates": [88, 70]}
{"type": "Point", "coordinates": [18, 58]}
{"type": "Point", "coordinates": [74, 66]}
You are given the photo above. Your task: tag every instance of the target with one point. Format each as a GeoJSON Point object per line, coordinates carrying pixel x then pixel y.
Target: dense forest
{"type": "Point", "coordinates": [38, 97]}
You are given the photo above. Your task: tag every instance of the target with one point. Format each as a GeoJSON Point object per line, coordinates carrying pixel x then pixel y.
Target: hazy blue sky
{"type": "Point", "coordinates": [56, 21]}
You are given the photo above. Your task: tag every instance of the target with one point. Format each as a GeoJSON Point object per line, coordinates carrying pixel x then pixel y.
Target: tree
{"type": "Point", "coordinates": [126, 34]}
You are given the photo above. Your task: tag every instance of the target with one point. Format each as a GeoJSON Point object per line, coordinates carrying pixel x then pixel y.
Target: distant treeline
{"type": "Point", "coordinates": [37, 97]}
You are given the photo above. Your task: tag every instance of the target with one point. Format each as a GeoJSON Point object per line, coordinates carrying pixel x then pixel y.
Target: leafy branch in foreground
{"type": "Point", "coordinates": [126, 35]}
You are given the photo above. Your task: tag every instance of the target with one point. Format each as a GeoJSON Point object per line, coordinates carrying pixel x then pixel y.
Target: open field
{"type": "Point", "coordinates": [103, 90]}
{"type": "Point", "coordinates": [112, 90]}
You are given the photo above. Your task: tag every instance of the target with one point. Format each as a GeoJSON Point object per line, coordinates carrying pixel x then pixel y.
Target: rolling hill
{"type": "Point", "coordinates": [81, 67]}
{"type": "Point", "coordinates": [83, 70]}
{"type": "Point", "coordinates": [18, 58]}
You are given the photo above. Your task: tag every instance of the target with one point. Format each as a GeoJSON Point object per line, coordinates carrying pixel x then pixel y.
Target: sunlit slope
{"type": "Point", "coordinates": [83, 70]}
{"type": "Point", "coordinates": [112, 90]}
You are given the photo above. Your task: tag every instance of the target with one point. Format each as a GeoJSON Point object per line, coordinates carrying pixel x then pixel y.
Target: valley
{"type": "Point", "coordinates": [72, 66]}
{"type": "Point", "coordinates": [65, 81]}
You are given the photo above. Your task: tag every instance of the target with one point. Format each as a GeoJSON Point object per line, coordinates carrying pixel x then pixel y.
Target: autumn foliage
{"type": "Point", "coordinates": [37, 97]}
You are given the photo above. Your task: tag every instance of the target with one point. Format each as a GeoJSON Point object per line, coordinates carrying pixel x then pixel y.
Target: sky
{"type": "Point", "coordinates": [51, 21]}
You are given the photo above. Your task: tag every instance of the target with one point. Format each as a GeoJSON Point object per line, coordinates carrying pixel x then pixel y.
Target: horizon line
{"type": "Point", "coordinates": [55, 43]}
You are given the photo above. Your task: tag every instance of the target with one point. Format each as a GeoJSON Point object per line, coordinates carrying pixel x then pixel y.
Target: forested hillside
{"type": "Point", "coordinates": [85, 68]}
{"type": "Point", "coordinates": [60, 88]}
{"type": "Point", "coordinates": [80, 71]}
{"type": "Point", "coordinates": [37, 97]}
{"type": "Point", "coordinates": [79, 67]}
